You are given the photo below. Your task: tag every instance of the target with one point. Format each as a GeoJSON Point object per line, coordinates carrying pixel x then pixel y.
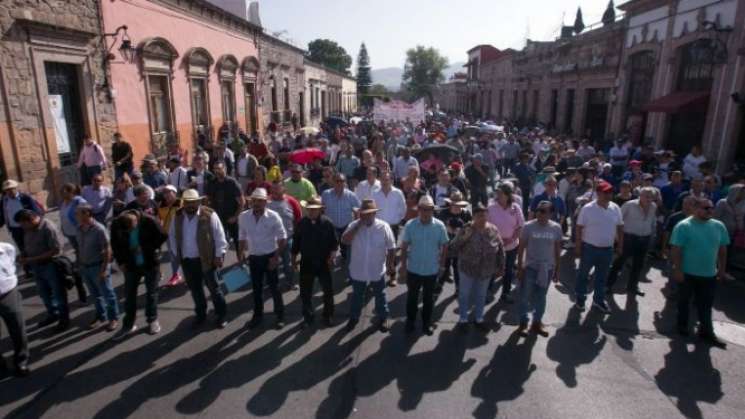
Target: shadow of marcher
{"type": "Point", "coordinates": [327, 360]}
{"type": "Point", "coordinates": [690, 377]}
{"type": "Point", "coordinates": [503, 379]}
{"type": "Point", "coordinates": [237, 372]}
{"type": "Point", "coordinates": [574, 345]}
{"type": "Point", "coordinates": [623, 324]}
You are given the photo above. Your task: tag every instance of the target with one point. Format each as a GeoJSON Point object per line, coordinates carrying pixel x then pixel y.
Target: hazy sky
{"type": "Point", "coordinates": [390, 27]}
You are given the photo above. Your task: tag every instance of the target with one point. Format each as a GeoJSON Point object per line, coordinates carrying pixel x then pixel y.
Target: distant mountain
{"type": "Point", "coordinates": [390, 77]}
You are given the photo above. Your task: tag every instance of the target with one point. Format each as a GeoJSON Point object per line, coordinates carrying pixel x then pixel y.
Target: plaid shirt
{"type": "Point", "coordinates": [339, 208]}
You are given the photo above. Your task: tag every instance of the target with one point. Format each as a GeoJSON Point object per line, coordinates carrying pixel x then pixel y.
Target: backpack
{"type": "Point", "coordinates": [67, 272]}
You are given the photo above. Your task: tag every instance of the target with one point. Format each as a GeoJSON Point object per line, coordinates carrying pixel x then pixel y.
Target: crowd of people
{"type": "Point", "coordinates": [422, 204]}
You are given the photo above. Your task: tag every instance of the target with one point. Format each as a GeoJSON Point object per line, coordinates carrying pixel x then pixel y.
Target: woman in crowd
{"type": "Point", "coordinates": [168, 205]}
{"type": "Point", "coordinates": [507, 216]}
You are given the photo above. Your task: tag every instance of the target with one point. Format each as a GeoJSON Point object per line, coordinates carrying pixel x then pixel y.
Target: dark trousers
{"type": "Point", "coordinates": [702, 290]}
{"type": "Point", "coordinates": [87, 173]}
{"type": "Point", "coordinates": [634, 247]}
{"type": "Point", "coordinates": [510, 257]}
{"type": "Point", "coordinates": [259, 267]}
{"type": "Point", "coordinates": [132, 277]}
{"type": "Point", "coordinates": [526, 198]}
{"type": "Point", "coordinates": [344, 248]}
{"type": "Point", "coordinates": [10, 311]}
{"type": "Point", "coordinates": [417, 283]}
{"type": "Point", "coordinates": [231, 231]}
{"type": "Point", "coordinates": [119, 171]}
{"type": "Point", "coordinates": [196, 278]}
{"type": "Point", "coordinates": [450, 262]}
{"type": "Point", "coordinates": [479, 195]}
{"type": "Point", "coordinates": [307, 282]}
{"type": "Point", "coordinates": [17, 234]}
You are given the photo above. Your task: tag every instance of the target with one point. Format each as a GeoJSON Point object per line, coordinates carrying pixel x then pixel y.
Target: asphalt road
{"type": "Point", "coordinates": [628, 364]}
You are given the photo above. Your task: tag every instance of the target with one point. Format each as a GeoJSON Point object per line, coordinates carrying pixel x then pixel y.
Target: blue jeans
{"type": "Point", "coordinates": [287, 263]}
{"type": "Point", "coordinates": [358, 298]}
{"type": "Point", "coordinates": [51, 290]}
{"type": "Point", "coordinates": [532, 296]}
{"type": "Point", "coordinates": [472, 292]}
{"type": "Point", "coordinates": [600, 258]}
{"type": "Point", "coordinates": [104, 297]}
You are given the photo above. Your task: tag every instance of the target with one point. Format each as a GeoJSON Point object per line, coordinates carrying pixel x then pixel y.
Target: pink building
{"type": "Point", "coordinates": [195, 70]}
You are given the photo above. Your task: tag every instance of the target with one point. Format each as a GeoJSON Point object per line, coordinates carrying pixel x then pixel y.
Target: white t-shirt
{"type": "Point", "coordinates": [599, 224]}
{"type": "Point", "coordinates": [690, 166]}
{"type": "Point", "coordinates": [369, 250]}
{"type": "Point", "coordinates": [8, 278]}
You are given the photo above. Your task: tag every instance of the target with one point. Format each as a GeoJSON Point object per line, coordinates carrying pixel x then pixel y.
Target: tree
{"type": "Point", "coordinates": [610, 14]}
{"type": "Point", "coordinates": [364, 78]}
{"type": "Point", "coordinates": [579, 25]}
{"type": "Point", "coordinates": [379, 90]}
{"type": "Point", "coordinates": [423, 71]}
{"type": "Point", "coordinates": [330, 54]}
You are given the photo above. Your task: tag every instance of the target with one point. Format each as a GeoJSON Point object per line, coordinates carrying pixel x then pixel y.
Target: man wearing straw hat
{"type": "Point", "coordinates": [373, 251]}
{"type": "Point", "coordinates": [316, 243]}
{"type": "Point", "coordinates": [198, 238]}
{"type": "Point", "coordinates": [262, 235]}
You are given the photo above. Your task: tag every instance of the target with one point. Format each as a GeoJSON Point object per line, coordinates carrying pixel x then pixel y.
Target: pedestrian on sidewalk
{"type": "Point", "coordinates": [11, 308]}
{"type": "Point", "coordinates": [599, 227]}
{"type": "Point", "coordinates": [14, 201]}
{"type": "Point", "coordinates": [94, 257]}
{"type": "Point", "coordinates": [639, 226]}
{"type": "Point", "coordinates": [262, 239]}
{"type": "Point", "coordinates": [92, 161]}
{"type": "Point", "coordinates": [316, 243]}
{"type": "Point", "coordinates": [136, 239]}
{"type": "Point", "coordinates": [43, 242]}
{"type": "Point", "coordinates": [197, 236]}
{"type": "Point", "coordinates": [373, 253]}
{"type": "Point", "coordinates": [481, 257]}
{"type": "Point", "coordinates": [699, 261]}
{"type": "Point", "coordinates": [538, 265]}
{"type": "Point", "coordinates": [507, 216]}
{"type": "Point", "coordinates": [423, 255]}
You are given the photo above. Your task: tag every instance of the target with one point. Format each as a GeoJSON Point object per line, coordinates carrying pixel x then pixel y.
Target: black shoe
{"type": "Point", "coordinates": [506, 299]}
{"type": "Point", "coordinates": [634, 292]}
{"type": "Point", "coordinates": [49, 320]}
{"type": "Point", "coordinates": [255, 322]}
{"type": "Point", "coordinates": [409, 328]}
{"type": "Point", "coordinates": [481, 326]}
{"type": "Point", "coordinates": [221, 323]}
{"type": "Point", "coordinates": [683, 331]}
{"type": "Point", "coordinates": [713, 341]}
{"type": "Point", "coordinates": [22, 370]}
{"type": "Point", "coordinates": [462, 327]}
{"type": "Point", "coordinates": [63, 325]}
{"type": "Point", "coordinates": [351, 324]}
{"type": "Point", "coordinates": [383, 326]}
{"type": "Point", "coordinates": [601, 307]}
{"type": "Point", "coordinates": [307, 322]}
{"type": "Point", "coordinates": [328, 321]}
{"type": "Point", "coordinates": [197, 322]}
{"type": "Point", "coordinates": [429, 330]}
{"type": "Point", "coordinates": [280, 324]}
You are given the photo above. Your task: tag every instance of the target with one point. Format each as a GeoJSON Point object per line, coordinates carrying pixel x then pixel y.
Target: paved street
{"type": "Point", "coordinates": [624, 366]}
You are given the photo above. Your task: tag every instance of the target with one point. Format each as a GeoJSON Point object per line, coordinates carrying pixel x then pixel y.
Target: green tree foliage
{"type": "Point", "coordinates": [330, 54]}
{"type": "Point", "coordinates": [579, 24]}
{"type": "Point", "coordinates": [364, 77]}
{"type": "Point", "coordinates": [423, 71]}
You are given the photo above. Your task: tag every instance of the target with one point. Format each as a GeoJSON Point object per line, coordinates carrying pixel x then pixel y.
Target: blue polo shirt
{"type": "Point", "coordinates": [425, 242]}
{"type": "Point", "coordinates": [560, 209]}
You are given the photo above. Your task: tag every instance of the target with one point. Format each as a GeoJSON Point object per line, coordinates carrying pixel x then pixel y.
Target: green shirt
{"type": "Point", "coordinates": [301, 190]}
{"type": "Point", "coordinates": [699, 243]}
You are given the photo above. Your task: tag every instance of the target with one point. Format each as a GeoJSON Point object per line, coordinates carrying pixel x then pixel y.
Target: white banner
{"type": "Point", "coordinates": [397, 110]}
{"type": "Point", "coordinates": [57, 110]}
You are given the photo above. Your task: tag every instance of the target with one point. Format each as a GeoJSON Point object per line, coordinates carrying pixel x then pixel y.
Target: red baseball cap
{"type": "Point", "coordinates": [604, 187]}
{"type": "Point", "coordinates": [455, 165]}
{"type": "Point", "coordinates": [635, 163]}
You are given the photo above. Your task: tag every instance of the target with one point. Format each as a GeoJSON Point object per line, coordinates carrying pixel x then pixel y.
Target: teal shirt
{"type": "Point", "coordinates": [134, 246]}
{"type": "Point", "coordinates": [699, 243]}
{"type": "Point", "coordinates": [425, 242]}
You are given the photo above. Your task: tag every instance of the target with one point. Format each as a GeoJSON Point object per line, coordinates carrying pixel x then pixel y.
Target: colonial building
{"type": "Point", "coordinates": [451, 95]}
{"type": "Point", "coordinates": [349, 96]}
{"type": "Point", "coordinates": [195, 70]}
{"type": "Point", "coordinates": [282, 82]}
{"type": "Point", "coordinates": [53, 91]}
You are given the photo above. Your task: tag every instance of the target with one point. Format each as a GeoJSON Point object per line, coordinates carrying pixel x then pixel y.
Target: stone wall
{"type": "Point", "coordinates": [34, 32]}
{"type": "Point", "coordinates": [281, 61]}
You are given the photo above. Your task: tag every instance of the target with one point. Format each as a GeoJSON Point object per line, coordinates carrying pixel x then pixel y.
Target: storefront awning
{"type": "Point", "coordinates": [679, 102]}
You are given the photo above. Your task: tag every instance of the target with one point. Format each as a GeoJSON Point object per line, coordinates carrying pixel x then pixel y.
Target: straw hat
{"type": "Point", "coordinates": [191, 195]}
{"type": "Point", "coordinates": [368, 206]}
{"type": "Point", "coordinates": [426, 202]}
{"type": "Point", "coordinates": [314, 203]}
{"type": "Point", "coordinates": [260, 194]}
{"type": "Point", "coordinates": [9, 184]}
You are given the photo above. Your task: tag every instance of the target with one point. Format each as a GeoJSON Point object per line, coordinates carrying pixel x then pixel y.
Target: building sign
{"type": "Point", "coordinates": [57, 110]}
{"type": "Point", "coordinates": [397, 110]}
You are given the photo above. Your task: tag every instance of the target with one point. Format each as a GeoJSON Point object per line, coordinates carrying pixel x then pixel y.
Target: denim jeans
{"type": "Point", "coordinates": [702, 290]}
{"type": "Point", "coordinates": [259, 267]}
{"type": "Point", "coordinates": [51, 290]}
{"type": "Point", "coordinates": [532, 296]}
{"type": "Point", "coordinates": [358, 298]}
{"type": "Point", "coordinates": [472, 293]}
{"type": "Point", "coordinates": [196, 279]}
{"type": "Point", "coordinates": [417, 283]}
{"type": "Point", "coordinates": [287, 263]}
{"type": "Point", "coordinates": [634, 247]}
{"type": "Point", "coordinates": [104, 297]}
{"type": "Point", "coordinates": [600, 258]}
{"type": "Point", "coordinates": [132, 277]}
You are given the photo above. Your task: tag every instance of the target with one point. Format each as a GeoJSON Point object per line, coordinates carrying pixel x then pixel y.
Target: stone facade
{"type": "Point", "coordinates": [282, 79]}
{"type": "Point", "coordinates": [349, 96]}
{"type": "Point", "coordinates": [50, 50]}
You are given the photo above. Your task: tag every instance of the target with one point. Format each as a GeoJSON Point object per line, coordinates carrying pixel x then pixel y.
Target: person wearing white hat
{"type": "Point", "coordinates": [423, 255]}
{"type": "Point", "coordinates": [373, 251]}
{"type": "Point", "coordinates": [262, 239]}
{"type": "Point", "coordinates": [198, 239]}
{"type": "Point", "coordinates": [12, 202]}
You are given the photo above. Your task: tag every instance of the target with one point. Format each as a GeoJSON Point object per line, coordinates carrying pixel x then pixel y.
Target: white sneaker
{"type": "Point", "coordinates": [154, 328]}
{"type": "Point", "coordinates": [124, 333]}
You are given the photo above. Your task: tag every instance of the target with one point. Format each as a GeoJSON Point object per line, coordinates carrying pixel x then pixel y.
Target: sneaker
{"type": "Point", "coordinates": [392, 283]}
{"type": "Point", "coordinates": [154, 328]}
{"type": "Point", "coordinates": [112, 325]}
{"type": "Point", "coordinates": [124, 333]}
{"type": "Point", "coordinates": [580, 305]}
{"type": "Point", "coordinates": [95, 324]}
{"type": "Point", "coordinates": [221, 323]}
{"type": "Point", "coordinates": [383, 326]}
{"type": "Point", "coordinates": [539, 329]}
{"type": "Point", "coordinates": [601, 307]}
{"type": "Point", "coordinates": [22, 369]}
{"type": "Point", "coordinates": [522, 328]}
{"type": "Point", "coordinates": [175, 280]}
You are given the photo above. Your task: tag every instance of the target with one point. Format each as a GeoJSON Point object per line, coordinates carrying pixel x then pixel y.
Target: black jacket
{"type": "Point", "coordinates": [315, 242]}
{"type": "Point", "coordinates": [152, 237]}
